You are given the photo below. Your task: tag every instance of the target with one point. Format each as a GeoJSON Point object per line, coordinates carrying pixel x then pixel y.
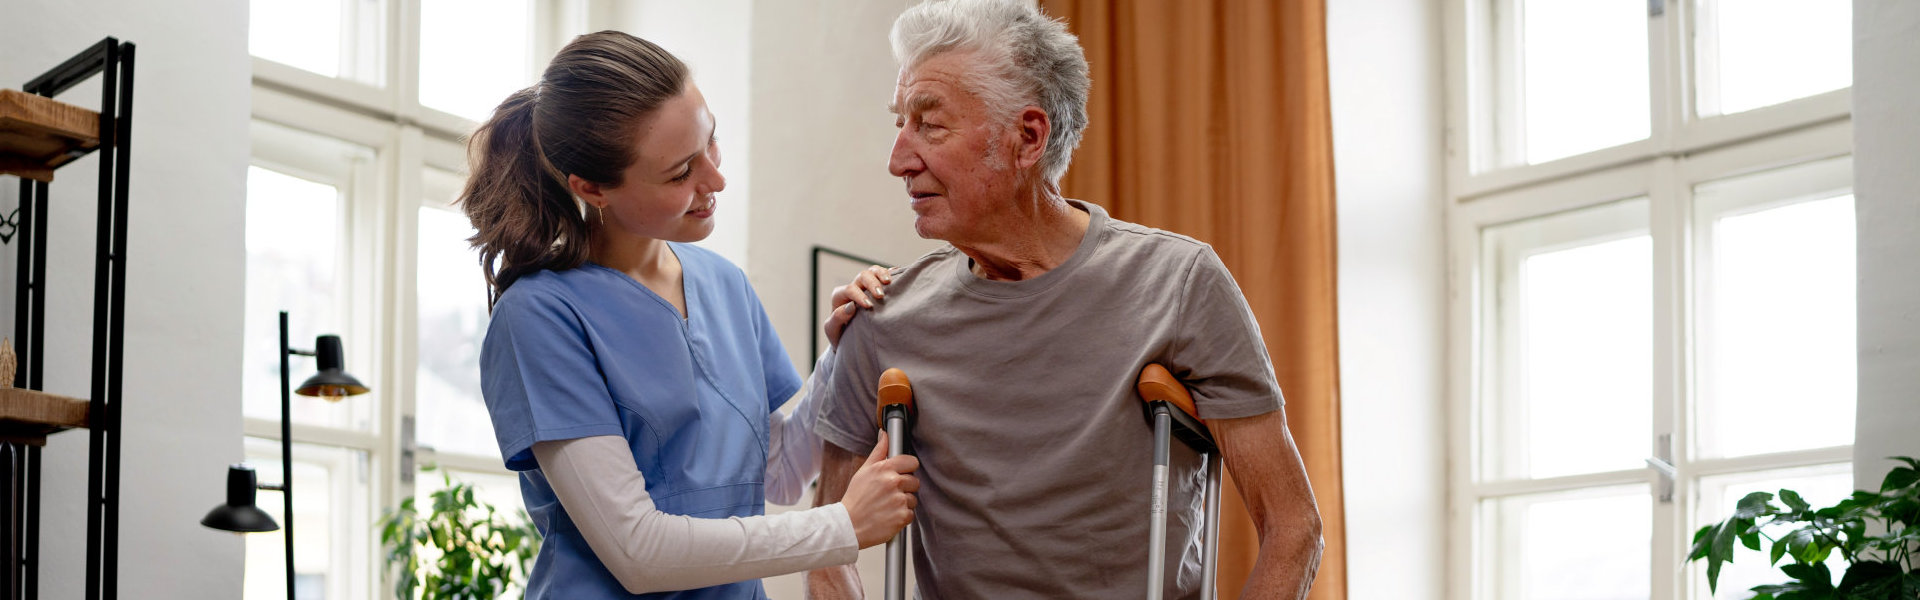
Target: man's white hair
{"type": "Point", "coordinates": [1025, 59]}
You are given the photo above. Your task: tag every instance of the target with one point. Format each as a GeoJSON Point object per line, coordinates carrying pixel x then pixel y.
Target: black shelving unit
{"type": "Point", "coordinates": [112, 61]}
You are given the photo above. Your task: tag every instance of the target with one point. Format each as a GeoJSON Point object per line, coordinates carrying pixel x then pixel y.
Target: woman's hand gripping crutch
{"type": "Point", "coordinates": [1170, 410]}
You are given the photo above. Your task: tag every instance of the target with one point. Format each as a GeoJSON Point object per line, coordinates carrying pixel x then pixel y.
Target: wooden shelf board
{"type": "Point", "coordinates": [29, 415]}
{"type": "Point", "coordinates": [38, 134]}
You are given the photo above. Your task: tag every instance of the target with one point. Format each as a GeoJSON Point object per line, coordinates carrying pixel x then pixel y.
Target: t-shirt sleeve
{"type": "Point", "coordinates": [782, 381]}
{"type": "Point", "coordinates": [540, 378]}
{"type": "Point", "coordinates": [1218, 351]}
{"type": "Point", "coordinates": [846, 406]}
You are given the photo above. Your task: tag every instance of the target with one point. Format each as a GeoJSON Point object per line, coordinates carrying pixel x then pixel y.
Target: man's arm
{"type": "Point", "coordinates": [837, 466]}
{"type": "Point", "coordinates": [1266, 467]}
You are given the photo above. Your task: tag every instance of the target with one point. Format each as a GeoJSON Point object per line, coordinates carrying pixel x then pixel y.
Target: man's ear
{"type": "Point", "coordinates": [1035, 126]}
{"type": "Point", "coordinates": [587, 191]}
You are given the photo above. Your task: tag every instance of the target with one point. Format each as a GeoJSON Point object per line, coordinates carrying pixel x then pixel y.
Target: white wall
{"type": "Point", "coordinates": [1384, 59]}
{"type": "Point", "coordinates": [712, 36]}
{"type": "Point", "coordinates": [822, 76]}
{"type": "Point", "coordinates": [1886, 137]}
{"type": "Point", "coordinates": [186, 259]}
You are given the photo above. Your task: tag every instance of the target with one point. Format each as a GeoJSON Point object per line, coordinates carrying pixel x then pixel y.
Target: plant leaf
{"type": "Point", "coordinates": [1815, 577]}
{"type": "Point", "coordinates": [1870, 575]}
{"type": "Point", "coordinates": [1899, 477]}
{"type": "Point", "coordinates": [1793, 500]}
{"type": "Point", "coordinates": [1756, 504]}
{"type": "Point", "coordinates": [1702, 542]}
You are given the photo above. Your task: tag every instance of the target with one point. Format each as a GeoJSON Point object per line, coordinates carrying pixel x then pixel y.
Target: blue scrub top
{"type": "Point", "coordinates": [589, 352]}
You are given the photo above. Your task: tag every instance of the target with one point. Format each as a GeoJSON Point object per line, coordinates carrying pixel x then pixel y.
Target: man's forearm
{"type": "Point", "coordinates": [1267, 470]}
{"type": "Point", "coordinates": [1289, 558]}
{"type": "Point", "coordinates": [837, 466]}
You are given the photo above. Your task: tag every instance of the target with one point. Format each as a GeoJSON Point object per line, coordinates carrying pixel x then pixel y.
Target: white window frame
{"type": "Point", "coordinates": [1682, 151]}
{"type": "Point", "coordinates": [377, 266]}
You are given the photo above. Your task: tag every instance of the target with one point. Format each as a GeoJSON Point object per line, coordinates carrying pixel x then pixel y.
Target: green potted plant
{"type": "Point", "coordinates": [1876, 533]}
{"type": "Point", "coordinates": [463, 550]}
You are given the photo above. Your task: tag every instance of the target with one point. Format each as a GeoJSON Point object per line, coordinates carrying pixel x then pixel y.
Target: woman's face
{"type": "Point", "coordinates": [668, 191]}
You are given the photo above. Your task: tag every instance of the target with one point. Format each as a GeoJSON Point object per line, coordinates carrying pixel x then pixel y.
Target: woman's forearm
{"type": "Point", "coordinates": [647, 550]}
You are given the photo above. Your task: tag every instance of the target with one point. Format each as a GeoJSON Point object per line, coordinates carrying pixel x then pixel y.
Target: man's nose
{"type": "Point", "coordinates": [905, 160]}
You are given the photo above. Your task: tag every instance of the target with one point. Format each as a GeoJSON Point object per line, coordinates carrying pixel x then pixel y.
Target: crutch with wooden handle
{"type": "Point", "coordinates": [1170, 410]}
{"type": "Point", "coordinates": [896, 417]}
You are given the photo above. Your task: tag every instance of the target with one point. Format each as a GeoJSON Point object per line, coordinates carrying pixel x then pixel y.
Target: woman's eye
{"type": "Point", "coordinates": [683, 175]}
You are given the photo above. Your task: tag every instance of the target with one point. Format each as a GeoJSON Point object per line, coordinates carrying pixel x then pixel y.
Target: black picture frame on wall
{"type": "Point", "coordinates": [830, 268]}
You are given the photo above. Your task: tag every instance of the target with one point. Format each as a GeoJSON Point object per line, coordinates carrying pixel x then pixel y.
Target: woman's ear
{"type": "Point", "coordinates": [587, 191]}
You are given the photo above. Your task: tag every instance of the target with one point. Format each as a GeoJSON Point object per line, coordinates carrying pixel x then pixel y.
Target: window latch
{"type": "Point", "coordinates": [1663, 465]}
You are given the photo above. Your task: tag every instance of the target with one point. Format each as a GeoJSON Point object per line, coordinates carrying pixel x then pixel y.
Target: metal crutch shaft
{"type": "Point", "coordinates": [1163, 394]}
{"type": "Point", "coordinates": [896, 416]}
{"type": "Point", "coordinates": [1157, 523]}
{"type": "Point", "coordinates": [1210, 562]}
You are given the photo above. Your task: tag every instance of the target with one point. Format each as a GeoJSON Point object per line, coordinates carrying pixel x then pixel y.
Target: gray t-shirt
{"type": "Point", "coordinates": [1036, 454]}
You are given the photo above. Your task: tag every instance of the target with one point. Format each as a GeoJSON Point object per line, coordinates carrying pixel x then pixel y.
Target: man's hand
{"type": "Point", "coordinates": [1266, 466]}
{"type": "Point", "coordinates": [837, 467]}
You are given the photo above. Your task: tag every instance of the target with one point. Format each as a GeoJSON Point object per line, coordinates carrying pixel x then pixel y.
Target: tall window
{"type": "Point", "coordinates": [360, 110]}
{"type": "Point", "coordinates": [1652, 228]}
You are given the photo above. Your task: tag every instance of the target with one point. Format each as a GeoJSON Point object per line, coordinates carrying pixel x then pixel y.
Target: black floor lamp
{"type": "Point", "coordinates": [239, 514]}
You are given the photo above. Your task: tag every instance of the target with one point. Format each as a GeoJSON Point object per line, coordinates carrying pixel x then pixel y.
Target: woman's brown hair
{"type": "Point", "coordinates": [579, 119]}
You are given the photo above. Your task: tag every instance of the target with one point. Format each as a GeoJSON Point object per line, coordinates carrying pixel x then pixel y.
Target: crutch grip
{"type": "Point", "coordinates": [894, 390]}
{"type": "Point", "coordinates": [1156, 383]}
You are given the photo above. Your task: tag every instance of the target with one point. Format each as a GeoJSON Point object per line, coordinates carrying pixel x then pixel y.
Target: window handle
{"type": "Point", "coordinates": [1664, 466]}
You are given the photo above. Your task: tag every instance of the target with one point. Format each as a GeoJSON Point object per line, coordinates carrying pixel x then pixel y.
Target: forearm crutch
{"type": "Point", "coordinates": [1170, 410]}
{"type": "Point", "coordinates": [896, 417]}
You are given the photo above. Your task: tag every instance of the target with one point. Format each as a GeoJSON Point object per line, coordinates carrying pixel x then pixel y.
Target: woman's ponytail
{"type": "Point", "coordinates": [526, 218]}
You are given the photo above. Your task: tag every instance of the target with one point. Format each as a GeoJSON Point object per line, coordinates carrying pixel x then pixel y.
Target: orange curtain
{"type": "Point", "coordinates": [1210, 118]}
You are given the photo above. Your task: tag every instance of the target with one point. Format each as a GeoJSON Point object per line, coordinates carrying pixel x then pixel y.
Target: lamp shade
{"type": "Point", "coordinates": [332, 382]}
{"type": "Point", "coordinates": [239, 513]}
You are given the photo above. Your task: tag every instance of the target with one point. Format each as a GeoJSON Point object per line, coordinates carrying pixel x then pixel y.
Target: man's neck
{"type": "Point", "coordinates": [1041, 233]}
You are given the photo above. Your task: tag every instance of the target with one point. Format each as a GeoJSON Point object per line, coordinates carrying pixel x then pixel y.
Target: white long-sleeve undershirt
{"type": "Point", "coordinates": [647, 550]}
{"type": "Point", "coordinates": [793, 449]}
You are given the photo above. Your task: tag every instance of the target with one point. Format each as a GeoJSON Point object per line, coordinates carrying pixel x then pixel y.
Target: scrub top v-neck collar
{"type": "Point", "coordinates": [687, 291]}
{"type": "Point", "coordinates": [699, 346]}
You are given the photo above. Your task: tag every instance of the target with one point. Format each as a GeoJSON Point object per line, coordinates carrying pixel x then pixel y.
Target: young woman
{"type": "Point", "coordinates": [633, 378]}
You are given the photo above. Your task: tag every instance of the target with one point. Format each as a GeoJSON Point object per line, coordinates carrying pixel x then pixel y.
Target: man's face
{"type": "Point", "coordinates": [951, 151]}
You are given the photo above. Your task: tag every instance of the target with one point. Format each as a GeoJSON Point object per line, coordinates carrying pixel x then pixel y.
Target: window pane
{"type": "Point", "coordinates": [335, 38]}
{"type": "Point", "coordinates": [1778, 328]}
{"type": "Point", "coordinates": [474, 53]}
{"type": "Point", "coordinates": [1587, 332]}
{"type": "Point", "coordinates": [300, 34]}
{"type": "Point", "coordinates": [452, 416]}
{"type": "Point", "coordinates": [1820, 486]}
{"type": "Point", "coordinates": [1571, 343]}
{"type": "Point", "coordinates": [333, 524]}
{"type": "Point", "coordinates": [1584, 76]}
{"type": "Point", "coordinates": [1586, 545]}
{"type": "Point", "coordinates": [1755, 53]}
{"type": "Point", "coordinates": [293, 233]}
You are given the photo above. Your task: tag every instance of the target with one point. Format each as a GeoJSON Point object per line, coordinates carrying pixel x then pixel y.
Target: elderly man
{"type": "Point", "coordinates": [1024, 337]}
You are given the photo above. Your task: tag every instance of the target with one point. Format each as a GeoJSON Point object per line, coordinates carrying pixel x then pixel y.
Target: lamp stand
{"type": "Point", "coordinates": [286, 445]}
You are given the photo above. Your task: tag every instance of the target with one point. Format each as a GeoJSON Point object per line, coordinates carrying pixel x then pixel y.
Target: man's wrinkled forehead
{"type": "Point", "coordinates": [910, 92]}
{"type": "Point", "coordinates": [918, 101]}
